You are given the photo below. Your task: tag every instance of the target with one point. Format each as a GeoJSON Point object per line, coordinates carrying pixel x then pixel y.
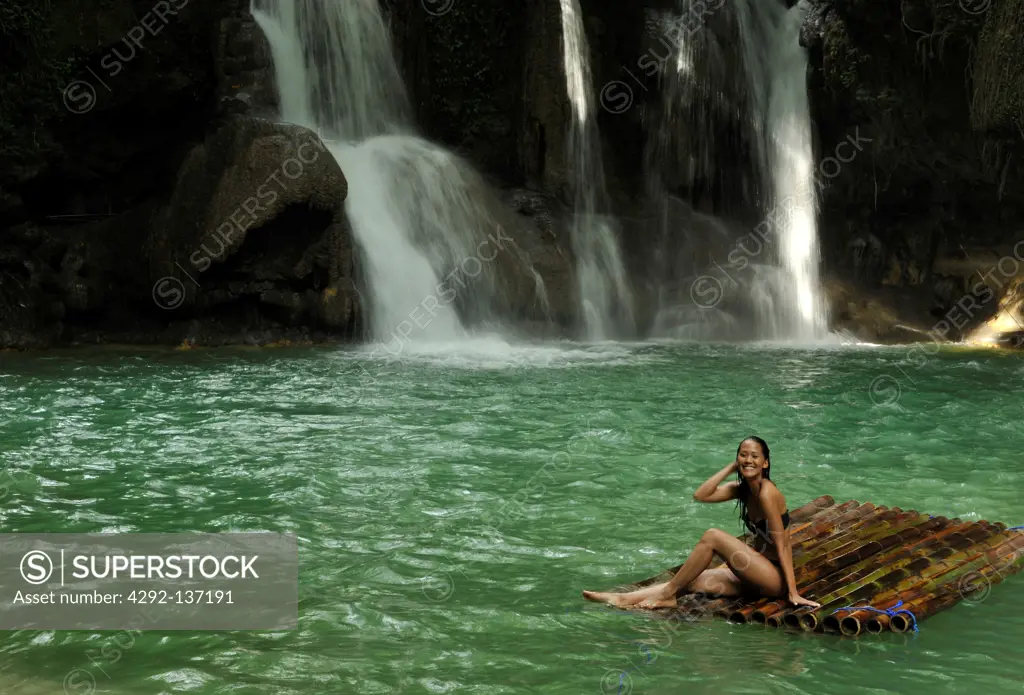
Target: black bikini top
{"type": "Point", "coordinates": [761, 527]}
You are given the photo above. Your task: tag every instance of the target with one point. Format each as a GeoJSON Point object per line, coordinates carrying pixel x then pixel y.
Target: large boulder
{"type": "Point", "coordinates": [255, 234]}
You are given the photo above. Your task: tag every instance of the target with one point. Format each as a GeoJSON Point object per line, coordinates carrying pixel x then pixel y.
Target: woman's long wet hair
{"type": "Point", "coordinates": [743, 493]}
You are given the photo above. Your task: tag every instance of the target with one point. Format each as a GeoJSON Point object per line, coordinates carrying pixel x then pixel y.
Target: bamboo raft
{"type": "Point", "coordinates": [872, 569]}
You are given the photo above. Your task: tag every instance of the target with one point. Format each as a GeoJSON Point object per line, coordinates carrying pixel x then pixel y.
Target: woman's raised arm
{"type": "Point", "coordinates": [712, 489]}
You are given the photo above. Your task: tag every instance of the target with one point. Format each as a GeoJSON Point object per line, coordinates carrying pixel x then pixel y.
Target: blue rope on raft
{"type": "Point", "coordinates": [891, 612]}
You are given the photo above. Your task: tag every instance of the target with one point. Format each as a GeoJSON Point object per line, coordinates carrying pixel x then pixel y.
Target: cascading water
{"type": "Point", "coordinates": [414, 208]}
{"type": "Point", "coordinates": [776, 69]}
{"type": "Point", "coordinates": [728, 101]}
{"type": "Point", "coordinates": [605, 296]}
{"type": "Point", "coordinates": [791, 158]}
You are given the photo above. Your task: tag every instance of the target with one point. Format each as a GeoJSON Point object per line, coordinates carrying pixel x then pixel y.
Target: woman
{"type": "Point", "coordinates": [766, 568]}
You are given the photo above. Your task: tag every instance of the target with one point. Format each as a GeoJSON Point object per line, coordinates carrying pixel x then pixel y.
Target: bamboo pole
{"type": "Point", "coordinates": [920, 555]}
{"type": "Point", "coordinates": [1010, 560]}
{"type": "Point", "coordinates": [875, 541]}
{"type": "Point", "coordinates": [867, 570]}
{"type": "Point", "coordinates": [844, 539]}
{"type": "Point", "coordinates": [831, 589]}
{"type": "Point", "coordinates": [831, 513]}
{"type": "Point", "coordinates": [965, 549]}
{"type": "Point", "coordinates": [832, 531]}
{"type": "Point", "coordinates": [949, 595]}
{"type": "Point", "coordinates": [815, 506]}
{"type": "Point", "coordinates": [871, 543]}
{"type": "Point", "coordinates": [858, 619]}
{"type": "Point", "coordinates": [929, 606]}
{"type": "Point", "coordinates": [807, 542]}
{"type": "Point", "coordinates": [909, 579]}
{"type": "Point", "coordinates": [951, 568]}
{"type": "Point", "coordinates": [878, 624]}
{"type": "Point", "coordinates": [855, 513]}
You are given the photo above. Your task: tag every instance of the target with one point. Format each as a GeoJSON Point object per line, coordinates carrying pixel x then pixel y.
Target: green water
{"type": "Point", "coordinates": [449, 514]}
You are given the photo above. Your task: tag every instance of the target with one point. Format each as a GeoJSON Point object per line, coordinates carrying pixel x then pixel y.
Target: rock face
{"type": "Point", "coordinates": [488, 80]}
{"type": "Point", "coordinates": [128, 89]}
{"type": "Point", "coordinates": [244, 69]}
{"type": "Point", "coordinates": [83, 175]}
{"type": "Point", "coordinates": [936, 86]}
{"type": "Point", "coordinates": [252, 247]}
{"type": "Point", "coordinates": [544, 127]}
{"type": "Point", "coordinates": [997, 103]}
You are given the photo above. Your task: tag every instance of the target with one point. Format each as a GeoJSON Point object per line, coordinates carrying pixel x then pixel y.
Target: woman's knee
{"type": "Point", "coordinates": [714, 536]}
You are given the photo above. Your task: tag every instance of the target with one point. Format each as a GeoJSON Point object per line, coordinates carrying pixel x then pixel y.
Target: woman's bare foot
{"type": "Point", "coordinates": [611, 598]}
{"type": "Point", "coordinates": [653, 595]}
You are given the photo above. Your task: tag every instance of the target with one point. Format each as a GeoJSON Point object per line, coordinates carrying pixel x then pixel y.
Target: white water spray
{"type": "Point", "coordinates": [412, 205]}
{"type": "Point", "coordinates": [605, 296]}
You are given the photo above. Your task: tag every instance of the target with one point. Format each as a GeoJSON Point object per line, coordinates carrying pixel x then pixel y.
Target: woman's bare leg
{"type": "Point", "coordinates": [747, 564]}
{"type": "Point", "coordinates": [719, 581]}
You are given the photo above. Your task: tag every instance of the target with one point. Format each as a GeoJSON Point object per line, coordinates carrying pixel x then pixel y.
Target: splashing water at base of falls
{"type": "Point", "coordinates": [606, 300]}
{"type": "Point", "coordinates": [415, 209]}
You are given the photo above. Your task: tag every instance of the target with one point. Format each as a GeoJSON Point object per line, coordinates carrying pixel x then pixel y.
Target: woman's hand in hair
{"type": "Point", "coordinates": [713, 489]}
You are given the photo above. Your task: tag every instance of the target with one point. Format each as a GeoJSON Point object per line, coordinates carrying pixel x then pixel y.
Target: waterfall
{"type": "Point", "coordinates": [418, 213]}
{"type": "Point", "coordinates": [735, 96]}
{"type": "Point", "coordinates": [606, 301]}
{"type": "Point", "coordinates": [792, 165]}
{"type": "Point", "coordinates": [776, 70]}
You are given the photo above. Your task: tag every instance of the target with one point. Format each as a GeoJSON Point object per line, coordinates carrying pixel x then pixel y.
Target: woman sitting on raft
{"type": "Point", "coordinates": [765, 569]}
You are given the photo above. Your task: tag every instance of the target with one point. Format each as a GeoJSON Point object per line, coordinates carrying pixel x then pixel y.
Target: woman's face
{"type": "Point", "coordinates": [751, 460]}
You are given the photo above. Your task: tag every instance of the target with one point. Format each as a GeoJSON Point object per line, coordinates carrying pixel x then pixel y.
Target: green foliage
{"type": "Point", "coordinates": [32, 76]}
